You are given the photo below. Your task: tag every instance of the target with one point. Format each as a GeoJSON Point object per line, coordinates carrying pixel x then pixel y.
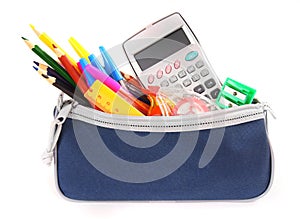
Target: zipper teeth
{"type": "Point", "coordinates": [171, 126]}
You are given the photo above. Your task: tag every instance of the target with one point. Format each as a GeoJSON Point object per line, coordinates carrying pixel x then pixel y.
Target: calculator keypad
{"type": "Point", "coordinates": [177, 64]}
{"type": "Point", "coordinates": [199, 64]}
{"type": "Point", "coordinates": [187, 82]}
{"type": "Point", "coordinates": [173, 79]}
{"type": "Point", "coordinates": [159, 74]}
{"type": "Point", "coordinates": [210, 83]}
{"type": "Point", "coordinates": [199, 89]}
{"type": "Point", "coordinates": [164, 83]}
{"type": "Point", "coordinates": [190, 69]}
{"type": "Point", "coordinates": [196, 77]}
{"type": "Point", "coordinates": [191, 72]}
{"type": "Point", "coordinates": [214, 94]}
{"type": "Point", "coordinates": [182, 74]}
{"type": "Point", "coordinates": [204, 72]}
{"type": "Point", "coordinates": [168, 69]}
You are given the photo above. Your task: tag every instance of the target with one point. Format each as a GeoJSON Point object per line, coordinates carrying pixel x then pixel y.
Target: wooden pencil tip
{"type": "Point", "coordinates": [54, 46]}
{"type": "Point", "coordinates": [34, 30]}
{"type": "Point", "coordinates": [35, 68]}
{"type": "Point", "coordinates": [36, 63]}
{"type": "Point", "coordinates": [24, 38]}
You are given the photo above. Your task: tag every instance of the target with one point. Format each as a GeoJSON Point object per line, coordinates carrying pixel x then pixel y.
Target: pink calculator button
{"type": "Point", "coordinates": [176, 64]}
{"type": "Point", "coordinates": [159, 74]}
{"type": "Point", "coordinates": [168, 69]}
{"type": "Point", "coordinates": [150, 79]}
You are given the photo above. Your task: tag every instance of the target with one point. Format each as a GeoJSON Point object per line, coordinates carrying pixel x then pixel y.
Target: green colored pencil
{"type": "Point", "coordinates": [49, 60]}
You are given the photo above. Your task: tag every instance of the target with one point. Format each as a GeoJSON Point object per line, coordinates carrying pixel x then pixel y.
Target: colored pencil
{"type": "Point", "coordinates": [55, 81]}
{"type": "Point", "coordinates": [68, 91]}
{"type": "Point", "coordinates": [49, 60]}
{"type": "Point", "coordinates": [70, 69]}
{"type": "Point", "coordinates": [131, 79]}
{"type": "Point", "coordinates": [48, 41]}
{"type": "Point", "coordinates": [51, 72]}
{"type": "Point", "coordinates": [58, 80]}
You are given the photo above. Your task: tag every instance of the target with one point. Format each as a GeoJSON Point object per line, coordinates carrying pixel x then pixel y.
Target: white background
{"type": "Point", "coordinates": [255, 42]}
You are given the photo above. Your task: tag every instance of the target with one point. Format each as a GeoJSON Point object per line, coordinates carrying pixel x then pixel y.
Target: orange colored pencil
{"type": "Point", "coordinates": [75, 75]}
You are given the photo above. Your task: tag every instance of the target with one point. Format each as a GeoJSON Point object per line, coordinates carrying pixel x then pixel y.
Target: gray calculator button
{"type": "Point", "coordinates": [204, 72]}
{"type": "Point", "coordinates": [191, 69]}
{"type": "Point", "coordinates": [196, 77]}
{"type": "Point", "coordinates": [173, 79]}
{"type": "Point", "coordinates": [199, 64]}
{"type": "Point", "coordinates": [210, 83]}
{"type": "Point", "coordinates": [199, 89]}
{"type": "Point", "coordinates": [178, 86]}
{"type": "Point", "coordinates": [181, 74]}
{"type": "Point", "coordinates": [187, 82]}
{"type": "Point", "coordinates": [214, 94]}
{"type": "Point", "coordinates": [164, 83]}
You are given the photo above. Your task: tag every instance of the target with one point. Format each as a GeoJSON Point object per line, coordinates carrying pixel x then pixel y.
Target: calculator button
{"type": "Point", "coordinates": [176, 64]}
{"type": "Point", "coordinates": [187, 82]}
{"type": "Point", "coordinates": [164, 83]}
{"type": "Point", "coordinates": [178, 86]}
{"type": "Point", "coordinates": [199, 64]}
{"type": "Point", "coordinates": [204, 72]}
{"type": "Point", "coordinates": [214, 94]}
{"type": "Point", "coordinates": [191, 56]}
{"type": "Point", "coordinates": [150, 79]}
{"type": "Point", "coordinates": [173, 79]}
{"type": "Point", "coordinates": [191, 69]}
{"type": "Point", "coordinates": [196, 77]}
{"type": "Point", "coordinates": [199, 89]}
{"type": "Point", "coordinates": [210, 83]}
{"type": "Point", "coordinates": [168, 69]}
{"type": "Point", "coordinates": [159, 74]}
{"type": "Point", "coordinates": [182, 74]}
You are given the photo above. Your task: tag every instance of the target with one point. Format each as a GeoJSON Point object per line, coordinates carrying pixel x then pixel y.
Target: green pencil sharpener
{"type": "Point", "coordinates": [234, 93]}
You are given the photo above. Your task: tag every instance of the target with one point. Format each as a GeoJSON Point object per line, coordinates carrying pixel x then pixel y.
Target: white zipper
{"type": "Point", "coordinates": [208, 120]}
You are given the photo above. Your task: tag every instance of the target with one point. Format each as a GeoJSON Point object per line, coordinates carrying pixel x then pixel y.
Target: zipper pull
{"type": "Point", "coordinates": [267, 108]}
{"type": "Point", "coordinates": [61, 116]}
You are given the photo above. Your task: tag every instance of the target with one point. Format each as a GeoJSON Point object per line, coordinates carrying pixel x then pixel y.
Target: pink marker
{"type": "Point", "coordinates": [104, 78]}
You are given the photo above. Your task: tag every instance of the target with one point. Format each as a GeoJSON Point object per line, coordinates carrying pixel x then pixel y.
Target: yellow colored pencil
{"type": "Point", "coordinates": [48, 41]}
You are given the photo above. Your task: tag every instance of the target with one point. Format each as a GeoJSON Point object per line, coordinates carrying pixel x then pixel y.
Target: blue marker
{"type": "Point", "coordinates": [95, 62]}
{"type": "Point", "coordinates": [83, 63]}
{"type": "Point", "coordinates": [88, 77]}
{"type": "Point", "coordinates": [110, 67]}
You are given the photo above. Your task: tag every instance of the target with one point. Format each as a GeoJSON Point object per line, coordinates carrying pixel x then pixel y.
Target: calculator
{"type": "Point", "coordinates": [166, 53]}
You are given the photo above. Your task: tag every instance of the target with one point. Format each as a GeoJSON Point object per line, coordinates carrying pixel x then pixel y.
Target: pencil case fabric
{"type": "Point", "coordinates": [219, 155]}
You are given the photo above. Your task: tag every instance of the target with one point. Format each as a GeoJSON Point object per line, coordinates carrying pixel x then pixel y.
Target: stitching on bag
{"type": "Point", "coordinates": [171, 126]}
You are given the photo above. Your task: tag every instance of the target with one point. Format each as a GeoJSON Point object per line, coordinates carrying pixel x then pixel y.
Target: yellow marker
{"type": "Point", "coordinates": [49, 42]}
{"type": "Point", "coordinates": [81, 52]}
{"type": "Point", "coordinates": [108, 101]}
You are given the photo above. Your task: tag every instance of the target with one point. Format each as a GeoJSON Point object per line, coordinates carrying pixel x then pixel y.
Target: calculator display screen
{"type": "Point", "coordinates": [162, 49]}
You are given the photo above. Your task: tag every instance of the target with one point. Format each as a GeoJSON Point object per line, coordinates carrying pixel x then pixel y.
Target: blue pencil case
{"type": "Point", "coordinates": [218, 155]}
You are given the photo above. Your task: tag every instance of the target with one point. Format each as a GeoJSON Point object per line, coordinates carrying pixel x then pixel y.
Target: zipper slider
{"type": "Point", "coordinates": [267, 108]}
{"type": "Point", "coordinates": [56, 126]}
